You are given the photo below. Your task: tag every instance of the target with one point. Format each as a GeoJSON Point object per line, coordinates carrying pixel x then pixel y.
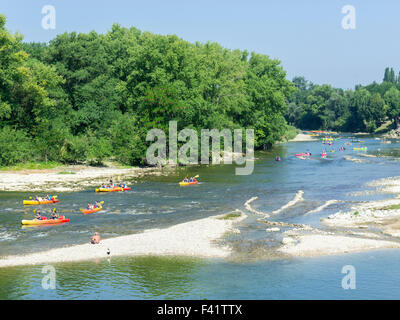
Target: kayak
{"type": "Point", "coordinates": [44, 220]}
{"type": "Point", "coordinates": [109, 189]}
{"type": "Point", "coordinates": [363, 148]}
{"type": "Point", "coordinates": [34, 202]}
{"type": "Point", "coordinates": [87, 211]}
{"type": "Point", "coordinates": [307, 154]}
{"type": "Point", "coordinates": [182, 184]}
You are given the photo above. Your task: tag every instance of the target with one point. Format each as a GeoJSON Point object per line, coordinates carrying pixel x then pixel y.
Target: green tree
{"type": "Point", "coordinates": [392, 99]}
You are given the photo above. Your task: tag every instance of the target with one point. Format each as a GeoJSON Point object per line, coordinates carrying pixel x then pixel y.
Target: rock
{"type": "Point", "coordinates": [288, 240]}
{"type": "Point", "coordinates": [272, 229]}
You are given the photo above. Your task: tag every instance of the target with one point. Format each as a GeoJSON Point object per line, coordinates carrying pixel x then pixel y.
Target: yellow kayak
{"type": "Point", "coordinates": [109, 189]}
{"type": "Point", "coordinates": [34, 222]}
{"type": "Point", "coordinates": [182, 184]}
{"type": "Point", "coordinates": [34, 202]}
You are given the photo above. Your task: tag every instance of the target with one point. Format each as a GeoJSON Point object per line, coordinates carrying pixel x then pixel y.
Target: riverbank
{"type": "Point", "coordinates": [69, 178]}
{"type": "Point", "coordinates": [196, 238]}
{"type": "Point", "coordinates": [301, 137]}
{"type": "Point", "coordinates": [322, 245]}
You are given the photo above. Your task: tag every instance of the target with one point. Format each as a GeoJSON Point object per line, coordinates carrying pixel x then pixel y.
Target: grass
{"type": "Point", "coordinates": [67, 172]}
{"type": "Point", "coordinates": [32, 166]}
{"type": "Point", "coordinates": [230, 216]}
{"type": "Point", "coordinates": [356, 213]}
{"type": "Point", "coordinates": [385, 127]}
{"type": "Point", "coordinates": [392, 207]}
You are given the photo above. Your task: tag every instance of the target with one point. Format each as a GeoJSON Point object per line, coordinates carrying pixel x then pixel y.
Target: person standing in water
{"type": "Point", "coordinates": [95, 239]}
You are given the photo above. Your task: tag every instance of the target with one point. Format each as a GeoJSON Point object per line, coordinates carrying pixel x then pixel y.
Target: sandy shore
{"type": "Point", "coordinates": [366, 226]}
{"type": "Point", "coordinates": [321, 245]}
{"type": "Point", "coordinates": [195, 238]}
{"type": "Point", "coordinates": [373, 227]}
{"type": "Point", "coordinates": [81, 178]}
{"type": "Point", "coordinates": [303, 137]}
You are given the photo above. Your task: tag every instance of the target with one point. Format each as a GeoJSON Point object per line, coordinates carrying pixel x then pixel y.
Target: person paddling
{"type": "Point", "coordinates": [54, 214]}
{"type": "Point", "coordinates": [37, 215]}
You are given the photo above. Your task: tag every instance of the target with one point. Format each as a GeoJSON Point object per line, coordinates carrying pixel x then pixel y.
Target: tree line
{"type": "Point", "coordinates": [88, 97]}
{"type": "Point", "coordinates": [365, 108]}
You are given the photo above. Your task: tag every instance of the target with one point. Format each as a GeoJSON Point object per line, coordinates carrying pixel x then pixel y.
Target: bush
{"type": "Point", "coordinates": [128, 143]}
{"type": "Point", "coordinates": [74, 149]}
{"type": "Point", "coordinates": [15, 146]}
{"type": "Point", "coordinates": [99, 150]}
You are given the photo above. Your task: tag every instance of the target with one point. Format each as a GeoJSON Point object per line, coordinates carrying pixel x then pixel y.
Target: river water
{"type": "Point", "coordinates": [255, 273]}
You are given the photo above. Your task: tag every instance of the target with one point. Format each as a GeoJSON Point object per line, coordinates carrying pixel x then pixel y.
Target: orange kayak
{"type": "Point", "coordinates": [87, 211]}
{"type": "Point", "coordinates": [182, 184]}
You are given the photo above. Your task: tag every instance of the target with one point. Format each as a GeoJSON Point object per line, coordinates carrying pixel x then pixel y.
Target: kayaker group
{"type": "Point", "coordinates": [46, 198]}
{"type": "Point", "coordinates": [330, 141]}
{"type": "Point", "coordinates": [53, 215]}
{"type": "Point", "coordinates": [94, 206]}
{"type": "Point", "coordinates": [111, 186]}
{"type": "Point", "coordinates": [189, 180]}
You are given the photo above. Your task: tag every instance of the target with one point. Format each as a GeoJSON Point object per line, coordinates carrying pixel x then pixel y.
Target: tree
{"type": "Point", "coordinates": [392, 99]}
{"type": "Point", "coordinates": [386, 77]}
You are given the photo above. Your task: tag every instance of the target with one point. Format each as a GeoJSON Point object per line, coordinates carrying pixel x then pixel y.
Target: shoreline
{"type": "Point", "coordinates": [195, 238]}
{"type": "Point", "coordinates": [301, 137]}
{"type": "Point", "coordinates": [78, 178]}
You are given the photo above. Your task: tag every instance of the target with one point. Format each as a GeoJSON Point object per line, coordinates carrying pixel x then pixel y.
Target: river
{"type": "Point", "coordinates": [158, 202]}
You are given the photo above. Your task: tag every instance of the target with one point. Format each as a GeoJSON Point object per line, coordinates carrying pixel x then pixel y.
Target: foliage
{"type": "Point", "coordinates": [88, 97]}
{"type": "Point", "coordinates": [364, 109]}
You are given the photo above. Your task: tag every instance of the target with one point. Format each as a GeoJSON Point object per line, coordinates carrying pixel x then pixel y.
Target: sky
{"type": "Point", "coordinates": [305, 35]}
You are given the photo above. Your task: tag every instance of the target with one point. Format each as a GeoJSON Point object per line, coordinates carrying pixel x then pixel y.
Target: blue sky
{"type": "Point", "coordinates": [305, 35]}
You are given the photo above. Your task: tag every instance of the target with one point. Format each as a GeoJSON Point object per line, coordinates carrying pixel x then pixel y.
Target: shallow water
{"type": "Point", "coordinates": [158, 202]}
